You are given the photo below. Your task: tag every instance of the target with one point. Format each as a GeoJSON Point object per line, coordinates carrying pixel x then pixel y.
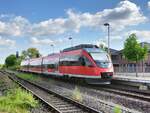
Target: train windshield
{"type": "Point", "coordinates": [102, 59]}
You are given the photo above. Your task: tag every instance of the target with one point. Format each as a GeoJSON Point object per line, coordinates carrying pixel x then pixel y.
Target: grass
{"type": "Point", "coordinates": [143, 87]}
{"type": "Point", "coordinates": [117, 109]}
{"type": "Point", "coordinates": [17, 101]}
{"type": "Point", "coordinates": [1, 82]}
{"type": "Point", "coordinates": [77, 94]}
{"type": "Point", "coordinates": [27, 76]}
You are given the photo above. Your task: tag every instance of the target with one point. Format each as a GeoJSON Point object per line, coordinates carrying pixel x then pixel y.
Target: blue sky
{"type": "Point", "coordinates": [40, 23]}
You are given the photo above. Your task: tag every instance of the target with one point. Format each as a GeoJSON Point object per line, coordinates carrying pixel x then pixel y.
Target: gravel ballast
{"type": "Point", "coordinates": [93, 97]}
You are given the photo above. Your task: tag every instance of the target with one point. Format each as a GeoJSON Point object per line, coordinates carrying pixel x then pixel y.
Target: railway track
{"type": "Point", "coordinates": [82, 108]}
{"type": "Point", "coordinates": [57, 102]}
{"type": "Point", "coordinates": [126, 91]}
{"type": "Point", "coordinates": [129, 93]}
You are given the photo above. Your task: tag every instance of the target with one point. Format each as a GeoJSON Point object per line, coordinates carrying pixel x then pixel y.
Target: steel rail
{"type": "Point", "coordinates": [128, 93]}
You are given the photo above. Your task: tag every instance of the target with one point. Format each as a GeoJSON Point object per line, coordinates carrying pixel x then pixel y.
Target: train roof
{"type": "Point", "coordinates": [81, 46]}
{"type": "Point", "coordinates": [52, 54]}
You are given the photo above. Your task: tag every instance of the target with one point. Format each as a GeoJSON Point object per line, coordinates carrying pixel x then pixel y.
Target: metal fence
{"type": "Point", "coordinates": [140, 69]}
{"type": "Point", "coordinates": [131, 71]}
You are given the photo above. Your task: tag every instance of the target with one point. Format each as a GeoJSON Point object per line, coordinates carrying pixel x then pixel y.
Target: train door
{"type": "Point", "coordinates": [87, 67]}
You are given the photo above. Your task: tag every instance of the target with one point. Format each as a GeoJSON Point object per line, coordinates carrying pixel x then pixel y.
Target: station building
{"type": "Point", "coordinates": [123, 65]}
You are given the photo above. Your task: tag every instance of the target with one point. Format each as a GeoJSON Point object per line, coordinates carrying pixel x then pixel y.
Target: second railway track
{"type": "Point", "coordinates": [129, 93]}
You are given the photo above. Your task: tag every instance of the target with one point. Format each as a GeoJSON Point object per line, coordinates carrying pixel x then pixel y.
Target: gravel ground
{"type": "Point", "coordinates": [6, 83]}
{"type": "Point", "coordinates": [94, 97]}
{"type": "Point", "coordinates": [41, 109]}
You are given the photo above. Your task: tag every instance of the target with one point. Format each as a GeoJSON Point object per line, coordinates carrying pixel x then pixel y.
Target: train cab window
{"type": "Point", "coordinates": [87, 62]}
{"type": "Point", "coordinates": [84, 61]}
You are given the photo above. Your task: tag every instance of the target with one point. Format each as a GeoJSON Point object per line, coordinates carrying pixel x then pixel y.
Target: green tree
{"type": "Point", "coordinates": [1, 65]}
{"type": "Point", "coordinates": [24, 54]}
{"type": "Point", "coordinates": [30, 53]}
{"type": "Point", "coordinates": [10, 61]}
{"type": "Point", "coordinates": [102, 45]}
{"type": "Point", "coordinates": [133, 50]}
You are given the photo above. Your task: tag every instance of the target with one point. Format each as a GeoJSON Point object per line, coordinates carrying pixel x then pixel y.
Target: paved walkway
{"type": "Point", "coordinates": [142, 77]}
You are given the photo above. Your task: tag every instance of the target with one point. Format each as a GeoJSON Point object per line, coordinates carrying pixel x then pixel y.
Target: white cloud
{"type": "Point", "coordinates": [7, 42]}
{"type": "Point", "coordinates": [124, 14]}
{"type": "Point", "coordinates": [142, 35]}
{"type": "Point", "coordinates": [36, 41]}
{"type": "Point", "coordinates": [46, 41]}
{"type": "Point", "coordinates": [48, 27]}
{"type": "Point", "coordinates": [148, 4]}
{"type": "Point", "coordinates": [117, 40]}
{"type": "Point", "coordinates": [16, 26]}
{"type": "Point", "coordinates": [101, 42]}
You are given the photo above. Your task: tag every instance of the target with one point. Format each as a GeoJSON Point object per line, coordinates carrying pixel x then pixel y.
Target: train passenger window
{"type": "Point", "coordinates": [52, 66]}
{"type": "Point", "coordinates": [70, 60]}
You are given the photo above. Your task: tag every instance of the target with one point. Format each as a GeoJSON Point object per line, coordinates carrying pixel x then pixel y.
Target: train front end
{"type": "Point", "coordinates": [103, 69]}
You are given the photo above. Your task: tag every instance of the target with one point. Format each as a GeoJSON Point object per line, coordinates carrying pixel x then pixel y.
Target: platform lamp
{"type": "Point", "coordinates": [17, 54]}
{"type": "Point", "coordinates": [70, 38]}
{"type": "Point", "coordinates": [108, 26]}
{"type": "Point", "coordinates": [52, 45]}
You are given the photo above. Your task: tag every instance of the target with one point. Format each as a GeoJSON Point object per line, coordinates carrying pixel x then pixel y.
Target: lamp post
{"type": "Point", "coordinates": [17, 54]}
{"type": "Point", "coordinates": [108, 26]}
{"type": "Point", "coordinates": [52, 45]}
{"type": "Point", "coordinates": [70, 38]}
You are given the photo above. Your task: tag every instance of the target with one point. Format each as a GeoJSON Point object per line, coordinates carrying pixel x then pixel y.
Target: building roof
{"type": "Point", "coordinates": [81, 46]}
{"type": "Point", "coordinates": [145, 43]}
{"type": "Point", "coordinates": [116, 52]}
{"type": "Point", "coordinates": [113, 51]}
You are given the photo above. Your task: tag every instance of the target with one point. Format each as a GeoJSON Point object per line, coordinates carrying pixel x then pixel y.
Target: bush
{"type": "Point", "coordinates": [28, 76]}
{"type": "Point", "coordinates": [77, 94]}
{"type": "Point", "coordinates": [117, 109]}
{"type": "Point", "coordinates": [17, 101]}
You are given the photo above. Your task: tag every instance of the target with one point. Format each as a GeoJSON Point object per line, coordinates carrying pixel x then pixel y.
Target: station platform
{"type": "Point", "coordinates": [131, 77]}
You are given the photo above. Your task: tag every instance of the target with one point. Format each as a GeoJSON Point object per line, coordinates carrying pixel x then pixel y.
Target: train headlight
{"type": "Point", "coordinates": [110, 64]}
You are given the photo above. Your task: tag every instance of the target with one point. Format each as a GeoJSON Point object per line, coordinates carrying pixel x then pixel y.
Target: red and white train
{"type": "Point", "coordinates": [84, 61]}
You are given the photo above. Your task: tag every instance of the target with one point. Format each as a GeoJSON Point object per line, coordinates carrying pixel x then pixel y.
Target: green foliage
{"type": "Point", "coordinates": [30, 53]}
{"type": "Point", "coordinates": [117, 109]}
{"type": "Point", "coordinates": [17, 101]}
{"type": "Point", "coordinates": [132, 49]}
{"type": "Point", "coordinates": [13, 63]}
{"type": "Point", "coordinates": [103, 47]}
{"type": "Point", "coordinates": [10, 61]}
{"type": "Point", "coordinates": [1, 66]}
{"type": "Point", "coordinates": [28, 76]}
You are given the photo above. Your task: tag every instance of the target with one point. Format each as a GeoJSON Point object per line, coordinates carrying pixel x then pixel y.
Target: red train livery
{"type": "Point", "coordinates": [84, 61]}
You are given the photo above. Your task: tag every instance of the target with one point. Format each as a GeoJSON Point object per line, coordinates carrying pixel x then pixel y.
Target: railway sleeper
{"type": "Point", "coordinates": [68, 108]}
{"type": "Point", "coordinates": [60, 103]}
{"type": "Point", "coordinates": [63, 105]}
{"type": "Point", "coordinates": [73, 111]}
